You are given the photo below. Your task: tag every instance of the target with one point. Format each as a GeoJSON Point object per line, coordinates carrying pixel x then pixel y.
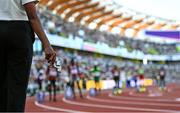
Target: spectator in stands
{"type": "Point", "coordinates": [17, 17]}
{"type": "Point", "coordinates": [66, 29]}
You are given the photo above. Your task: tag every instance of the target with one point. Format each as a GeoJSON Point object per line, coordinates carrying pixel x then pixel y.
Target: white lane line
{"type": "Point", "coordinates": [155, 95]}
{"type": "Point", "coordinates": [178, 99]}
{"type": "Point", "coordinates": [113, 107]}
{"type": "Point", "coordinates": [144, 99]}
{"type": "Point", "coordinates": [130, 103]}
{"type": "Point", "coordinates": [149, 95]}
{"type": "Point", "coordinates": [56, 108]}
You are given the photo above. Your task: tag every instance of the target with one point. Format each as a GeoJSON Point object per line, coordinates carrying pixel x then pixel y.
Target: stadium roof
{"type": "Point", "coordinates": [166, 9]}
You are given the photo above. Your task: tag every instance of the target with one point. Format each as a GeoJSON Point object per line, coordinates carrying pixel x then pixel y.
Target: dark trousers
{"type": "Point", "coordinates": [52, 88]}
{"type": "Point", "coordinates": [116, 79]}
{"type": "Point", "coordinates": [162, 83]}
{"type": "Point", "coordinates": [16, 39]}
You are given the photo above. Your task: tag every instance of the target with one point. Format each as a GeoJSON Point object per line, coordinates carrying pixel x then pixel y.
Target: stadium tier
{"type": "Point", "coordinates": [56, 25]}
{"type": "Point", "coordinates": [104, 15]}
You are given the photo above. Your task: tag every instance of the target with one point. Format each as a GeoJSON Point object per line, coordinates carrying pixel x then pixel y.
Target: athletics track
{"type": "Point", "coordinates": [129, 101]}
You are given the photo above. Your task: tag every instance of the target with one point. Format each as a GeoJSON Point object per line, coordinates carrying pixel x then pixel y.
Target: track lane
{"type": "Point", "coordinates": [110, 103]}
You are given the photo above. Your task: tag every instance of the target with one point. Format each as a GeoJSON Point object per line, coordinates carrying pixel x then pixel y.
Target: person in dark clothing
{"type": "Point", "coordinates": [18, 22]}
{"type": "Point", "coordinates": [162, 75]}
{"type": "Point", "coordinates": [116, 72]}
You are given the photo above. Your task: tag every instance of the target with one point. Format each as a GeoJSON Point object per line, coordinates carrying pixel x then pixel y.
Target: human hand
{"type": "Point", "coordinates": [50, 55]}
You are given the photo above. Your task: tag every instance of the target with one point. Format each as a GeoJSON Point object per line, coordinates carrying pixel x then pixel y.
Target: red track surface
{"type": "Point", "coordinates": [130, 101]}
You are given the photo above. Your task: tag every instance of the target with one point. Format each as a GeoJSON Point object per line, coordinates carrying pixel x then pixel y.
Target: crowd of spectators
{"type": "Point", "coordinates": [56, 25]}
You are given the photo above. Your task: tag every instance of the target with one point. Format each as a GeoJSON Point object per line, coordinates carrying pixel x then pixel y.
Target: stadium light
{"type": "Point", "coordinates": [66, 11]}
{"type": "Point", "coordinates": [82, 22]}
{"type": "Point", "coordinates": [104, 28]}
{"type": "Point", "coordinates": [129, 32]}
{"type": "Point", "coordinates": [62, 15]}
{"type": "Point", "coordinates": [86, 18]}
{"type": "Point", "coordinates": [76, 14]}
{"type": "Point", "coordinates": [126, 16]}
{"type": "Point", "coordinates": [92, 25]}
{"type": "Point", "coordinates": [117, 12]}
{"type": "Point", "coordinates": [71, 19]}
{"type": "Point", "coordinates": [116, 30]}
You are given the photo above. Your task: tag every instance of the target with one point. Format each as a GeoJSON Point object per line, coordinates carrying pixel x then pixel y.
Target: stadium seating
{"type": "Point", "coordinates": [99, 14]}
{"type": "Point", "coordinates": [95, 22]}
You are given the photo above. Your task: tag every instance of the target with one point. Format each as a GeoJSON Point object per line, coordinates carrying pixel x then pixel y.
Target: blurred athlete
{"type": "Point", "coordinates": [73, 70]}
{"type": "Point", "coordinates": [115, 72]}
{"type": "Point", "coordinates": [52, 75]}
{"type": "Point", "coordinates": [162, 75]}
{"type": "Point", "coordinates": [123, 77]}
{"type": "Point", "coordinates": [96, 72]}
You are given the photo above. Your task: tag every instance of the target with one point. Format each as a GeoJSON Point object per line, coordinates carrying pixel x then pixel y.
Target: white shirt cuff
{"type": "Point", "coordinates": [28, 1]}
